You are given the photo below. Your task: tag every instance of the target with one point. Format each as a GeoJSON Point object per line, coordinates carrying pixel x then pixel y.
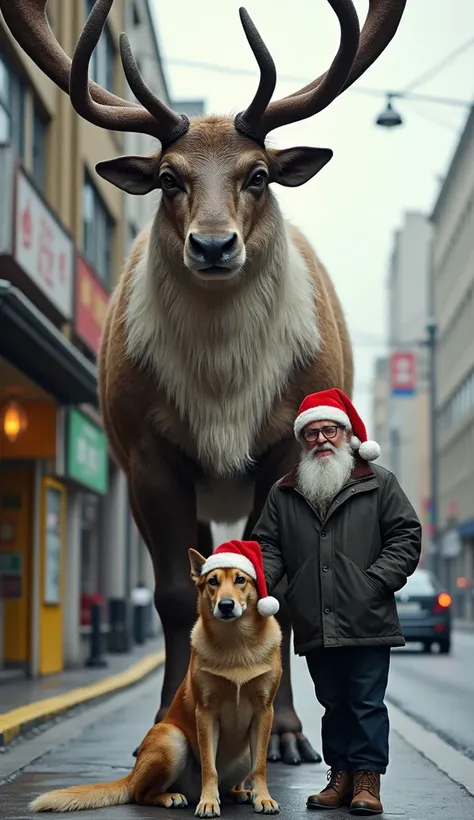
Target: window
{"type": "Point", "coordinates": [98, 231]}
{"type": "Point", "coordinates": [102, 67]}
{"type": "Point", "coordinates": [12, 106]}
{"type": "Point", "coordinates": [40, 131]}
{"type": "Point", "coordinates": [135, 15]}
{"type": "Point", "coordinates": [461, 404]}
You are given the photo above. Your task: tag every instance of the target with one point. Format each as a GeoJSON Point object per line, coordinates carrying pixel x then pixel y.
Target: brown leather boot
{"type": "Point", "coordinates": [337, 793]}
{"type": "Point", "coordinates": [366, 794]}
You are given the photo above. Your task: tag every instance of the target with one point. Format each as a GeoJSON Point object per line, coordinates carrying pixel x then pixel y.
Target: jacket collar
{"type": "Point", "coordinates": [362, 469]}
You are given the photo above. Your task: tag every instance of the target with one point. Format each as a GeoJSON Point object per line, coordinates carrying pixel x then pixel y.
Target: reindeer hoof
{"type": "Point", "coordinates": [291, 748]}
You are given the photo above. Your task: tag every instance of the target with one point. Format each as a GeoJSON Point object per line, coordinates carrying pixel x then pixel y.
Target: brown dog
{"type": "Point", "coordinates": [217, 729]}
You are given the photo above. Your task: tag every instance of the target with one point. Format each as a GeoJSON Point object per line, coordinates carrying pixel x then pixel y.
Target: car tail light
{"type": "Point", "coordinates": [443, 602]}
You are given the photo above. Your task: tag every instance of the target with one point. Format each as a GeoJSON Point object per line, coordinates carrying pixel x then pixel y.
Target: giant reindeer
{"type": "Point", "coordinates": [223, 319]}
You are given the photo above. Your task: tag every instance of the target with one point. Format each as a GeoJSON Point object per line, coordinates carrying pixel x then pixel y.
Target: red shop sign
{"type": "Point", "coordinates": [91, 305]}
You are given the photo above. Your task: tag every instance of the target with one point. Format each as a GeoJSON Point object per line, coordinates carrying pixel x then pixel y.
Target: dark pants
{"type": "Point", "coordinates": [350, 683]}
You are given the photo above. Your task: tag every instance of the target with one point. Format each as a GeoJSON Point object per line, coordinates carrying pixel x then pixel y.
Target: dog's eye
{"type": "Point", "coordinates": [213, 582]}
{"type": "Point", "coordinates": [240, 579]}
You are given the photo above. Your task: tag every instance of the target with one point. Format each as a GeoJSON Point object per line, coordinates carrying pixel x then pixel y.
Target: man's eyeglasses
{"type": "Point", "coordinates": [327, 433]}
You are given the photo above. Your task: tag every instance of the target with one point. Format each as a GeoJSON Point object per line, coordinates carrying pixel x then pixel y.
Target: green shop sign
{"type": "Point", "coordinates": [87, 457]}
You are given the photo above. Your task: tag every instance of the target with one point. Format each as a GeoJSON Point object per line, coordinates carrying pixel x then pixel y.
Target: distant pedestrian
{"type": "Point", "coordinates": [347, 537]}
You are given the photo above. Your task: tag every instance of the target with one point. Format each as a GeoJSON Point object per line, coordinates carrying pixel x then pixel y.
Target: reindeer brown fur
{"type": "Point", "coordinates": [224, 318]}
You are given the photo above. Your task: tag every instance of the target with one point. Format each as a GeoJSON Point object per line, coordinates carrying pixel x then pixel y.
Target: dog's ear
{"type": "Point", "coordinates": [196, 561]}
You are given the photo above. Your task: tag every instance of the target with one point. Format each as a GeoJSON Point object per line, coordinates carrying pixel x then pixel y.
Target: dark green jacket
{"type": "Point", "coordinates": [343, 570]}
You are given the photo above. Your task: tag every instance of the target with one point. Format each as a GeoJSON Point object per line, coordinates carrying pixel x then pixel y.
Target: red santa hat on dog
{"type": "Point", "coordinates": [335, 406]}
{"type": "Point", "coordinates": [246, 556]}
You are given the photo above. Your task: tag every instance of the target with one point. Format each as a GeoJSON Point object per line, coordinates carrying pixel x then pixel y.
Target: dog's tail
{"type": "Point", "coordinates": [77, 798]}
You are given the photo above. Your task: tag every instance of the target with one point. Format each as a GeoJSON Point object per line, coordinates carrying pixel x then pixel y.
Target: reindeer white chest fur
{"type": "Point", "coordinates": [223, 367]}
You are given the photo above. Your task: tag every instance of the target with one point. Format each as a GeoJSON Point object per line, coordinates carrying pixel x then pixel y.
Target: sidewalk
{"type": "Point", "coordinates": [413, 789]}
{"type": "Point", "coordinates": [463, 625]}
{"type": "Point", "coordinates": [26, 704]}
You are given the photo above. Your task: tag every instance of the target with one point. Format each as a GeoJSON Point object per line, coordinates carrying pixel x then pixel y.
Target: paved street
{"type": "Point", "coordinates": [438, 689]}
{"type": "Point", "coordinates": [97, 746]}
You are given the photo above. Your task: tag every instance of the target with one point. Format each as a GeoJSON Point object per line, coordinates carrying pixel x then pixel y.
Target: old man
{"type": "Point", "coordinates": [347, 537]}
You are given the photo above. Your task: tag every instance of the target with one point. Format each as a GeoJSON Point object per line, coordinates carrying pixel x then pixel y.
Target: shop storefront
{"type": "Point", "coordinates": [464, 574]}
{"type": "Point", "coordinates": [84, 467]}
{"type": "Point", "coordinates": [40, 370]}
{"type": "Point", "coordinates": [457, 566]}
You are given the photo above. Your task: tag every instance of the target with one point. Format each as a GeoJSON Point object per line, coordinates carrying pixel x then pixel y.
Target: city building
{"type": "Point", "coordinates": [380, 408]}
{"type": "Point", "coordinates": [67, 539]}
{"type": "Point", "coordinates": [401, 379]}
{"type": "Point", "coordinates": [453, 285]}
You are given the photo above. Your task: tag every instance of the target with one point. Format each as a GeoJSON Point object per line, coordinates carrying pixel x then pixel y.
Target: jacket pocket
{"type": "Point", "coordinates": [364, 609]}
{"type": "Point", "coordinates": [303, 599]}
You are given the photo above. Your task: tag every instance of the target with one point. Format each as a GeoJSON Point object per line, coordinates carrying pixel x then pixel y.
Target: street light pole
{"type": "Point", "coordinates": [431, 342]}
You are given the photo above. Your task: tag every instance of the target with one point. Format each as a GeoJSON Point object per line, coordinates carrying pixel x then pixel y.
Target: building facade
{"type": "Point", "coordinates": [453, 287]}
{"type": "Point", "coordinates": [380, 408]}
{"type": "Point", "coordinates": [401, 379]}
{"type": "Point", "coordinates": [66, 535]}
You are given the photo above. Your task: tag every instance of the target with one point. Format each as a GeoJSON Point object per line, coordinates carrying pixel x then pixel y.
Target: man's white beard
{"type": "Point", "coordinates": [319, 479]}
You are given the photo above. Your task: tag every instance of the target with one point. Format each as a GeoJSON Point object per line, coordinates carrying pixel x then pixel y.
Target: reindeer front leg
{"type": "Point", "coordinates": [162, 496]}
{"type": "Point", "coordinates": [208, 737]}
{"type": "Point", "coordinates": [260, 731]}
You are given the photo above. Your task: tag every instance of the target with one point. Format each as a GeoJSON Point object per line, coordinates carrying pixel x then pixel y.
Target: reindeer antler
{"type": "Point", "coordinates": [28, 23]}
{"type": "Point", "coordinates": [357, 51]}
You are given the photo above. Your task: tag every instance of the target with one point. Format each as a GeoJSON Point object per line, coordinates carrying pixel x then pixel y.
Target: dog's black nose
{"type": "Point", "coordinates": [226, 605]}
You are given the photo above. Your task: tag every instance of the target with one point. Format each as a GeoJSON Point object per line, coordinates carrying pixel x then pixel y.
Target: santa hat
{"type": "Point", "coordinates": [246, 556]}
{"type": "Point", "coordinates": [335, 406]}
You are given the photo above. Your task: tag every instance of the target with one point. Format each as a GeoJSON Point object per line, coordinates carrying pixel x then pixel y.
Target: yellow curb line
{"type": "Point", "coordinates": [18, 720]}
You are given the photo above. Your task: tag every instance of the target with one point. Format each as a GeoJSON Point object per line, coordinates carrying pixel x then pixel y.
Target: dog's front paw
{"type": "Point", "coordinates": [208, 808]}
{"type": "Point", "coordinates": [264, 804]}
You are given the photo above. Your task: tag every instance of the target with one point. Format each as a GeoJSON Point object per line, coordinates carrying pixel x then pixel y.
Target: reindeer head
{"type": "Point", "coordinates": [216, 208]}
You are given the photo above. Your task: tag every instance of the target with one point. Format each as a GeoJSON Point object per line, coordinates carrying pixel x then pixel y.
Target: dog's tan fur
{"type": "Point", "coordinates": [218, 726]}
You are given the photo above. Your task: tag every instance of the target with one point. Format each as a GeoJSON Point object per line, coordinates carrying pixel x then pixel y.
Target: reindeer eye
{"type": "Point", "coordinates": [257, 180]}
{"type": "Point", "coordinates": [213, 582]}
{"type": "Point", "coordinates": [240, 579]}
{"type": "Point", "coordinates": [169, 182]}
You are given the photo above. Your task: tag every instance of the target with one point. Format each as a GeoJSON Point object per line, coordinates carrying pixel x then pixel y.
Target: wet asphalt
{"type": "Point", "coordinates": [98, 747]}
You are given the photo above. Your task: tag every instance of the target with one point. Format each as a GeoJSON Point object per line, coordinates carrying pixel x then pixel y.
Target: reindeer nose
{"type": "Point", "coordinates": [213, 250]}
{"type": "Point", "coordinates": [226, 605]}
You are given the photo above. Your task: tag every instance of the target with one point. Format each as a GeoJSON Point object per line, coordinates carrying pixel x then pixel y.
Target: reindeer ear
{"type": "Point", "coordinates": [196, 561]}
{"type": "Point", "coordinates": [295, 166]}
{"type": "Point", "coordinates": [135, 175]}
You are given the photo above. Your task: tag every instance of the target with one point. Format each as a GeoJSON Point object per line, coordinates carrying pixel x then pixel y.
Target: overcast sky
{"type": "Point", "coordinates": [350, 210]}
